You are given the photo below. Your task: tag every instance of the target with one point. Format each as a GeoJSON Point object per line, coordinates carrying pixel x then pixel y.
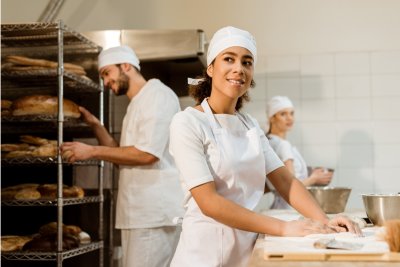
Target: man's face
{"type": "Point", "coordinates": [115, 79]}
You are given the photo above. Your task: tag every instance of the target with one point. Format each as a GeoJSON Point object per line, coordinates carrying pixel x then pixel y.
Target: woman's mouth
{"type": "Point", "coordinates": [236, 82]}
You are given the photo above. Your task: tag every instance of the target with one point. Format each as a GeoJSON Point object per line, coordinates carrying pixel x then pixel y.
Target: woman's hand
{"type": "Point", "coordinates": [320, 176]}
{"type": "Point", "coordinates": [306, 227]}
{"type": "Point", "coordinates": [343, 224]}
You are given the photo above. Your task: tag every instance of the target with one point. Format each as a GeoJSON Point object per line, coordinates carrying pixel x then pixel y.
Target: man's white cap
{"type": "Point", "coordinates": [277, 103]}
{"type": "Point", "coordinates": [227, 37]}
{"type": "Point", "coordinates": [118, 55]}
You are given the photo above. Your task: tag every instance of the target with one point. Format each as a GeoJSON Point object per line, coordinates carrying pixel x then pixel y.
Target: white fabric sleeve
{"type": "Point", "coordinates": [187, 149]}
{"type": "Point", "coordinates": [272, 161]}
{"type": "Point", "coordinates": [284, 151]}
{"type": "Point", "coordinates": [155, 120]}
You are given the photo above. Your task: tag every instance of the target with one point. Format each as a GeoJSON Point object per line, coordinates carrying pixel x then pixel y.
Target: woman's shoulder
{"type": "Point", "coordinates": [189, 116]}
{"type": "Point", "coordinates": [278, 142]}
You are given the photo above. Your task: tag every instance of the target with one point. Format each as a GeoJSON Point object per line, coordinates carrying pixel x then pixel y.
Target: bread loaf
{"type": "Point", "coordinates": [49, 243]}
{"type": "Point", "coordinates": [18, 154]}
{"type": "Point", "coordinates": [50, 191]}
{"type": "Point", "coordinates": [27, 194]}
{"type": "Point", "coordinates": [48, 150]}
{"type": "Point", "coordinates": [51, 228]}
{"type": "Point", "coordinates": [43, 105]}
{"type": "Point", "coordinates": [21, 191]}
{"type": "Point", "coordinates": [13, 243]}
{"type": "Point", "coordinates": [33, 140]}
{"type": "Point", "coordinates": [24, 63]}
{"type": "Point", "coordinates": [5, 104]}
{"type": "Point", "coordinates": [14, 147]}
{"type": "Point", "coordinates": [84, 238]}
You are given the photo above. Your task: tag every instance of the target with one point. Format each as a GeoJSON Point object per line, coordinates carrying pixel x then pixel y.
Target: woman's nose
{"type": "Point", "coordinates": [238, 67]}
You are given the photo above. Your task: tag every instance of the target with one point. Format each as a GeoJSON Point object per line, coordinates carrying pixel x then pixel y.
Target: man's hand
{"type": "Point", "coordinates": [74, 151]}
{"type": "Point", "coordinates": [88, 117]}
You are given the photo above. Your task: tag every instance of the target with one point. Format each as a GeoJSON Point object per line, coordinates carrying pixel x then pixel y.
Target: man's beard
{"type": "Point", "coordinates": [123, 84]}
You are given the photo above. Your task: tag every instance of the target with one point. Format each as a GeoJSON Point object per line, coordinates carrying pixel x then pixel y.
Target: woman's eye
{"type": "Point", "coordinates": [248, 63]}
{"type": "Point", "coordinates": [228, 59]}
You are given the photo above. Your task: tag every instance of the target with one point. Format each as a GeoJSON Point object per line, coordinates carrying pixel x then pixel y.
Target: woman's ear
{"type": "Point", "coordinates": [210, 69]}
{"type": "Point", "coordinates": [272, 120]}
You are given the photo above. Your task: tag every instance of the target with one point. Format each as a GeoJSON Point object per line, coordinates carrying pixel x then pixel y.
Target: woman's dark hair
{"type": "Point", "coordinates": [203, 90]}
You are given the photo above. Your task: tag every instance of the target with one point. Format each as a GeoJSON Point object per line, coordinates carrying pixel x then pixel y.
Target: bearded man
{"type": "Point", "coordinates": [149, 194]}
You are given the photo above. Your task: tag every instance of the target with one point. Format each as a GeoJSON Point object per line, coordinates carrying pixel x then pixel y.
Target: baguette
{"type": "Point", "coordinates": [43, 105]}
{"type": "Point", "coordinates": [25, 61]}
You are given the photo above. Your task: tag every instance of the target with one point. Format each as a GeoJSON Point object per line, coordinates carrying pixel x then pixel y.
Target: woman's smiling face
{"type": "Point", "coordinates": [232, 72]}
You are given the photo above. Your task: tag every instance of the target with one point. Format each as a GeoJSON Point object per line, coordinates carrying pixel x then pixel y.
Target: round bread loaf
{"type": "Point", "coordinates": [43, 105]}
{"type": "Point", "coordinates": [49, 243]}
{"type": "Point", "coordinates": [27, 194]}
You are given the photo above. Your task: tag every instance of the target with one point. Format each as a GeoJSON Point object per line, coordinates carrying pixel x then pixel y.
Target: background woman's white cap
{"type": "Point", "coordinates": [118, 55]}
{"type": "Point", "coordinates": [227, 37]}
{"type": "Point", "coordinates": [277, 103]}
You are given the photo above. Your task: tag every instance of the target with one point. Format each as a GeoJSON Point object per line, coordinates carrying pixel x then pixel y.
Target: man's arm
{"type": "Point", "coordinates": [129, 155]}
{"type": "Point", "coordinates": [101, 133]}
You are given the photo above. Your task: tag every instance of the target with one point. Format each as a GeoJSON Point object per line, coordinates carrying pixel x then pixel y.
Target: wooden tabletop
{"type": "Point", "coordinates": [257, 260]}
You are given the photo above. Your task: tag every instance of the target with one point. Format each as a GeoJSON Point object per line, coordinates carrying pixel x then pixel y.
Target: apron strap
{"type": "Point", "coordinates": [210, 116]}
{"type": "Point", "coordinates": [215, 124]}
{"type": "Point", "coordinates": [245, 122]}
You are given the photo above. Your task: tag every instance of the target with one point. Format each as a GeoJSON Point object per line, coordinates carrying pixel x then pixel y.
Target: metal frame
{"type": "Point", "coordinates": [46, 39]}
{"type": "Point", "coordinates": [51, 202]}
{"type": "Point", "coordinates": [52, 256]}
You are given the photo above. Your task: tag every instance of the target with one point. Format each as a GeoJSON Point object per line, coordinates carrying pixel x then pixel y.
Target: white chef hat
{"type": "Point", "coordinates": [277, 103]}
{"type": "Point", "coordinates": [118, 55]}
{"type": "Point", "coordinates": [227, 37]}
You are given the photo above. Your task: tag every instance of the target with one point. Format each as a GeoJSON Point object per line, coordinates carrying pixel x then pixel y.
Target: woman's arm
{"type": "Point", "coordinates": [318, 176]}
{"type": "Point", "coordinates": [229, 213]}
{"type": "Point", "coordinates": [294, 192]}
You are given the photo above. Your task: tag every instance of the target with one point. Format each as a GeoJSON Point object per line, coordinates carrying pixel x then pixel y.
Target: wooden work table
{"type": "Point", "coordinates": [257, 258]}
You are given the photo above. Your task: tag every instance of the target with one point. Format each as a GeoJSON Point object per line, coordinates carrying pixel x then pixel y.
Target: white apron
{"type": "Point", "coordinates": [239, 177]}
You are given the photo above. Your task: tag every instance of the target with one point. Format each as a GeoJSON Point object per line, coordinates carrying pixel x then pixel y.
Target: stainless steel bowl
{"type": "Point", "coordinates": [331, 199]}
{"type": "Point", "coordinates": [381, 207]}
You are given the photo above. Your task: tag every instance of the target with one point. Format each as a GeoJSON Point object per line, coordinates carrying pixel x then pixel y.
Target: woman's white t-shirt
{"type": "Point", "coordinates": [193, 146]}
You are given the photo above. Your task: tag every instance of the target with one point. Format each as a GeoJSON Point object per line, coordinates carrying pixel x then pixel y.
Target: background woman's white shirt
{"type": "Point", "coordinates": [286, 151]}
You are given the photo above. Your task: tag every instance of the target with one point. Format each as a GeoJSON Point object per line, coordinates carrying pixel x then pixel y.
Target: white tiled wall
{"type": "Point", "coordinates": [347, 114]}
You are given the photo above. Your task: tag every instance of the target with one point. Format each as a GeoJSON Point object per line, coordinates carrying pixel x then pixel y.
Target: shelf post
{"type": "Point", "coordinates": [60, 122]}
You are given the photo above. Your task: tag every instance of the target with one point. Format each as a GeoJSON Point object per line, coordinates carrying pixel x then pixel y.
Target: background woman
{"type": "Point", "coordinates": [281, 119]}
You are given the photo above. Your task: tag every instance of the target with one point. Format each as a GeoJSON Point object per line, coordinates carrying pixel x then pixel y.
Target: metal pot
{"type": "Point", "coordinates": [381, 207]}
{"type": "Point", "coordinates": [331, 199]}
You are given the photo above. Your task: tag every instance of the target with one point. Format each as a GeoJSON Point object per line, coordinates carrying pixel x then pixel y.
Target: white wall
{"type": "Point", "coordinates": [339, 60]}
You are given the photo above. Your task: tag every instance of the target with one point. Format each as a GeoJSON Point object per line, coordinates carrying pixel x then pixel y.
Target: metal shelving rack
{"type": "Point", "coordinates": [52, 39]}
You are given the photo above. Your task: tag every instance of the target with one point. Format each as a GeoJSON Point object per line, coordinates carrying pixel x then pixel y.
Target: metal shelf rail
{"type": "Point", "coordinates": [52, 256]}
